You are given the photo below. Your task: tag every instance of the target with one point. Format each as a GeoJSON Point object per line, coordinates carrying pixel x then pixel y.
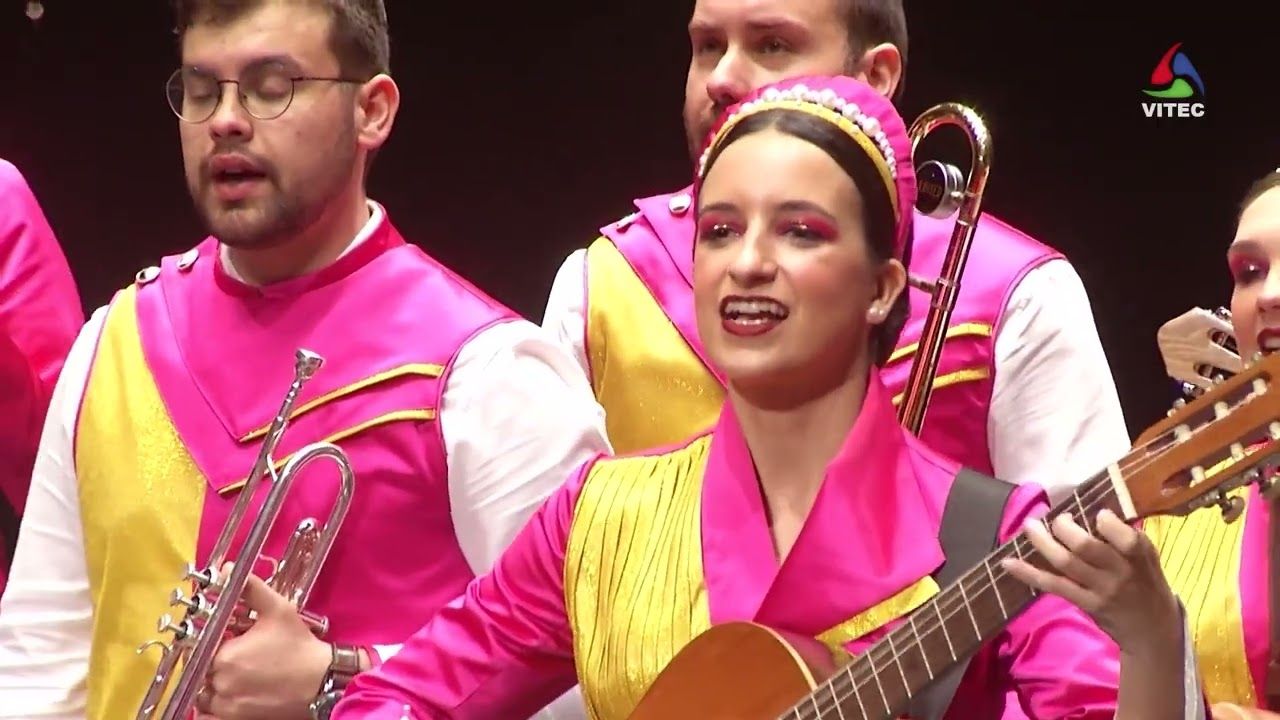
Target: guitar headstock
{"type": "Point", "coordinates": [1205, 448]}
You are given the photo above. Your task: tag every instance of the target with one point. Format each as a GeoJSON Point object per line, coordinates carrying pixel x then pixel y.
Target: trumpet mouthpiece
{"type": "Point", "coordinates": [308, 363]}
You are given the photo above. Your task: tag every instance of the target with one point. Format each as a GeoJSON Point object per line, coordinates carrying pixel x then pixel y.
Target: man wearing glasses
{"type": "Point", "coordinates": [458, 417]}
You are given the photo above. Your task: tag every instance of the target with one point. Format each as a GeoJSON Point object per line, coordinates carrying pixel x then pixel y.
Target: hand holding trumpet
{"type": "Point", "coordinates": [273, 671]}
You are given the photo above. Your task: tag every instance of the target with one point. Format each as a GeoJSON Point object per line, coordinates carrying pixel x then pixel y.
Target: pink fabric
{"type": "Point", "coordinates": [504, 648]}
{"type": "Point", "coordinates": [38, 299]}
{"type": "Point", "coordinates": [999, 257]}
{"type": "Point", "coordinates": [871, 104]}
{"type": "Point", "coordinates": [222, 355]}
{"type": "Point", "coordinates": [40, 315]}
{"type": "Point", "coordinates": [1255, 593]}
{"type": "Point", "coordinates": [22, 406]}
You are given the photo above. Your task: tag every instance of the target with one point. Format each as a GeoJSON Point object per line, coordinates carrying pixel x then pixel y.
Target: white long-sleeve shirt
{"type": "Point", "coordinates": [518, 418]}
{"type": "Point", "coordinates": [1055, 416]}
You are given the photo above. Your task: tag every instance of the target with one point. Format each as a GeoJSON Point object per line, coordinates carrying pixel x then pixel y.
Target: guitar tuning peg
{"type": "Point", "coordinates": [1269, 486]}
{"type": "Point", "coordinates": [1232, 508]}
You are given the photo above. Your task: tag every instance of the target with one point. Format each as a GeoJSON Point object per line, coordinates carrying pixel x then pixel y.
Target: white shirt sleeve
{"type": "Point", "coordinates": [518, 419]}
{"type": "Point", "coordinates": [1055, 416]}
{"type": "Point", "coordinates": [566, 314]}
{"type": "Point", "coordinates": [46, 617]}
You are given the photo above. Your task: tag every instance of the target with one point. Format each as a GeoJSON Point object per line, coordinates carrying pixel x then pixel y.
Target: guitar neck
{"type": "Point", "coordinates": [948, 628]}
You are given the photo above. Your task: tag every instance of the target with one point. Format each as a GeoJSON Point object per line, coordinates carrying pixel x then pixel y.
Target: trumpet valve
{"type": "Point", "coordinates": [205, 577]}
{"type": "Point", "coordinates": [182, 629]}
{"type": "Point", "coordinates": [197, 604]}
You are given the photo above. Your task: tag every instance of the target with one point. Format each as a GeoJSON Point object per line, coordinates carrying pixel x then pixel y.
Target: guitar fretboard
{"type": "Point", "coordinates": [950, 627]}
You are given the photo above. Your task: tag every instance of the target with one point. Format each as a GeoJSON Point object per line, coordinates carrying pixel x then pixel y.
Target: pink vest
{"type": "Point", "coordinates": [657, 242]}
{"type": "Point", "coordinates": [389, 321]}
{"type": "Point", "coordinates": [40, 314]}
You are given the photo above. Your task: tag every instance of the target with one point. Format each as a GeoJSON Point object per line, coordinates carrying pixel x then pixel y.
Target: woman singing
{"type": "Point", "coordinates": [807, 508]}
{"type": "Point", "coordinates": [1220, 570]}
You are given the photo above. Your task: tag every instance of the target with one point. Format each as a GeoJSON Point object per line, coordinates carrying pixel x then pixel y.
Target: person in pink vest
{"type": "Point", "coordinates": [40, 314]}
{"type": "Point", "coordinates": [458, 417]}
{"type": "Point", "coordinates": [807, 508]}
{"type": "Point", "coordinates": [1023, 389]}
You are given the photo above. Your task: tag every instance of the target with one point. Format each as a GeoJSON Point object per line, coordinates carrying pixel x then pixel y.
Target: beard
{"type": "Point", "coordinates": [280, 211]}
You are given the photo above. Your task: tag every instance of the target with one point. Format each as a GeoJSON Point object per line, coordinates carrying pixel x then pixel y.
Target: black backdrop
{"type": "Point", "coordinates": [526, 126]}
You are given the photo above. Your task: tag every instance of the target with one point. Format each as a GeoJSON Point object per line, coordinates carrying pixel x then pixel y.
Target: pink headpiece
{"type": "Point", "coordinates": [853, 106]}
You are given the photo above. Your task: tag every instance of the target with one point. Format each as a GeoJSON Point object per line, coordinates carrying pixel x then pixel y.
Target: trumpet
{"type": "Point", "coordinates": [943, 191]}
{"type": "Point", "coordinates": [212, 606]}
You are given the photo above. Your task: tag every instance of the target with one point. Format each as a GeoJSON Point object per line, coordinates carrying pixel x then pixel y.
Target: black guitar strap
{"type": "Point", "coordinates": [970, 532]}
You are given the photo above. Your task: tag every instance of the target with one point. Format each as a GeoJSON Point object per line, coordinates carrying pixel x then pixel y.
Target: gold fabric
{"type": "Point", "coordinates": [141, 497]}
{"type": "Point", "coordinates": [653, 387]}
{"type": "Point", "coordinates": [635, 592]}
{"type": "Point", "coordinates": [1201, 555]}
{"type": "Point", "coordinates": [877, 616]}
{"type": "Point", "coordinates": [634, 587]}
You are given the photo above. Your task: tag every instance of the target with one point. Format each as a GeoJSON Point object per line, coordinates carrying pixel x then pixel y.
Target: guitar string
{"type": "Point", "coordinates": [805, 708]}
{"type": "Point", "coordinates": [853, 684]}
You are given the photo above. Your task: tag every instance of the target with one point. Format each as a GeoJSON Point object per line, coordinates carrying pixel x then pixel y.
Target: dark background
{"type": "Point", "coordinates": [526, 126]}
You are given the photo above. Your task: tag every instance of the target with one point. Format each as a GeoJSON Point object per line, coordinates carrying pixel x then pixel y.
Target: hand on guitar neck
{"type": "Point", "coordinates": [1114, 575]}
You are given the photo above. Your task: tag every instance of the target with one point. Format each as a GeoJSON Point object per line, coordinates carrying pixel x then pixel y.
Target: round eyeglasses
{"type": "Point", "coordinates": [264, 91]}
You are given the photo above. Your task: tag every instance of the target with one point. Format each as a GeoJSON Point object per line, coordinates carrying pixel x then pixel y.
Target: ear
{"type": "Point", "coordinates": [377, 103]}
{"type": "Point", "coordinates": [891, 280]}
{"type": "Point", "coordinates": [881, 68]}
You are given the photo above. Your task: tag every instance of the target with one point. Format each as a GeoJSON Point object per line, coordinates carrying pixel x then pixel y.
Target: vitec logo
{"type": "Point", "coordinates": [1175, 81]}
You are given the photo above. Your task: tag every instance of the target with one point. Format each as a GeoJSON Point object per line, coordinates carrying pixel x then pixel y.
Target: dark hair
{"type": "Point", "coordinates": [358, 36]}
{"type": "Point", "coordinates": [1267, 182]}
{"type": "Point", "coordinates": [881, 228]}
{"type": "Point", "coordinates": [871, 22]}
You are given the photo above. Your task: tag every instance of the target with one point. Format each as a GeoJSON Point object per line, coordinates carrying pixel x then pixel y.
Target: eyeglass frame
{"type": "Point", "coordinates": [293, 92]}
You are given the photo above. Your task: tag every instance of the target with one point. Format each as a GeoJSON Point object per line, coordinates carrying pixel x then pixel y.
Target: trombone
{"type": "Point", "coordinates": [943, 190]}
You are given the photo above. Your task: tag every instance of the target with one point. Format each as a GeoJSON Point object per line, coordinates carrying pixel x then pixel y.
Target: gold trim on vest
{"type": "Point", "coordinates": [970, 329]}
{"type": "Point", "coordinates": [953, 378]}
{"type": "Point", "coordinates": [420, 369]}
{"type": "Point", "coordinates": [424, 414]}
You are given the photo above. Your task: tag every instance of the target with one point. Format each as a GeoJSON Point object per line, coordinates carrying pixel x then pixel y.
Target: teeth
{"type": "Point", "coordinates": [1271, 342]}
{"type": "Point", "coordinates": [761, 310]}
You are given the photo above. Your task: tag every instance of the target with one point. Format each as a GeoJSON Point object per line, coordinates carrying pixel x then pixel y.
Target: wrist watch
{"type": "Point", "coordinates": [322, 707]}
{"type": "Point", "coordinates": [343, 667]}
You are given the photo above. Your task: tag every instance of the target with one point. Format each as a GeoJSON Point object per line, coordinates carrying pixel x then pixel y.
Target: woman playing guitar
{"type": "Point", "coordinates": [808, 508]}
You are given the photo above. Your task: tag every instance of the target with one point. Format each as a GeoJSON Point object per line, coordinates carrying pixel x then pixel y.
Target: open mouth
{"type": "Point", "coordinates": [1269, 341]}
{"type": "Point", "coordinates": [751, 315]}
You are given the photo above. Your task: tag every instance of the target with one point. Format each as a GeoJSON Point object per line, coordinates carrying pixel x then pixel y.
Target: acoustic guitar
{"type": "Point", "coordinates": [1187, 461]}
